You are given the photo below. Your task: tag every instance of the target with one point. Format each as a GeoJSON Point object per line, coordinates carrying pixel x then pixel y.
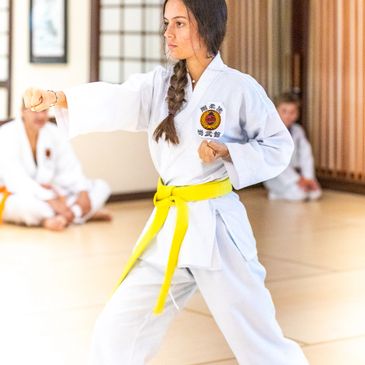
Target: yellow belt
{"type": "Point", "coordinates": [166, 197]}
{"type": "Point", "coordinates": [3, 201]}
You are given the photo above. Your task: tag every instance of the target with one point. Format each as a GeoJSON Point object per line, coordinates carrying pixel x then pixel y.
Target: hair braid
{"type": "Point", "coordinates": [175, 99]}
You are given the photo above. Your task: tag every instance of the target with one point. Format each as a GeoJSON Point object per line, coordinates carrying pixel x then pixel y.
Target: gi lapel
{"type": "Point", "coordinates": [26, 150]}
{"type": "Point", "coordinates": [212, 72]}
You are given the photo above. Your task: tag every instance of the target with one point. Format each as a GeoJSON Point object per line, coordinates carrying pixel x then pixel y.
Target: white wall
{"type": "Point", "coordinates": [121, 158]}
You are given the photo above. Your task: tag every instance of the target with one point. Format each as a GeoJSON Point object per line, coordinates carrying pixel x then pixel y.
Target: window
{"type": "Point", "coordinates": [126, 38]}
{"type": "Point", "coordinates": [5, 58]}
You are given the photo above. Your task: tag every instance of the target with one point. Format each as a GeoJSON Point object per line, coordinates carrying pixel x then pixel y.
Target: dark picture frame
{"type": "Point", "coordinates": [48, 31]}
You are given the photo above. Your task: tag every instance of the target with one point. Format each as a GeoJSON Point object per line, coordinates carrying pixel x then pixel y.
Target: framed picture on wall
{"type": "Point", "coordinates": [48, 31]}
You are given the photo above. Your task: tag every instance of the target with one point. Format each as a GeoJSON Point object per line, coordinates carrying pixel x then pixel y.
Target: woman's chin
{"type": "Point", "coordinates": [174, 56]}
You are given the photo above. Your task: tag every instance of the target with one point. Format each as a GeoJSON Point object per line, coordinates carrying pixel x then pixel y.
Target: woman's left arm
{"type": "Point", "coordinates": [269, 147]}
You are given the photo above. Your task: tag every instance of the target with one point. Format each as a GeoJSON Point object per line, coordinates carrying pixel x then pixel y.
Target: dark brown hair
{"type": "Point", "coordinates": [211, 16]}
{"type": "Point", "coordinates": [288, 98]}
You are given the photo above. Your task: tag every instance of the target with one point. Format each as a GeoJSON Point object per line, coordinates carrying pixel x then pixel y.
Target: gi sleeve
{"type": "Point", "coordinates": [14, 175]}
{"type": "Point", "coordinates": [304, 151]}
{"type": "Point", "coordinates": [267, 149]}
{"type": "Point", "coordinates": [104, 107]}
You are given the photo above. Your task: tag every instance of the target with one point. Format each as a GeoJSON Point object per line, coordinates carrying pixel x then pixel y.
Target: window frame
{"type": "Point", "coordinates": [95, 36]}
{"type": "Point", "coordinates": [7, 84]}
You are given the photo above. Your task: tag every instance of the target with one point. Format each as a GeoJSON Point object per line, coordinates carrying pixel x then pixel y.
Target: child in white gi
{"type": "Point", "coordinates": [297, 182]}
{"type": "Point", "coordinates": [44, 178]}
{"type": "Point", "coordinates": [208, 126]}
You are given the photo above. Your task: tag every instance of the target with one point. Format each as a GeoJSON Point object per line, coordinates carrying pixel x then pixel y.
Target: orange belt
{"type": "Point", "coordinates": [3, 201]}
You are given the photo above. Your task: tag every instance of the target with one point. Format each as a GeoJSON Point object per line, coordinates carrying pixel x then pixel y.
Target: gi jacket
{"type": "Point", "coordinates": [226, 105]}
{"type": "Point", "coordinates": [302, 161]}
{"type": "Point", "coordinates": [56, 163]}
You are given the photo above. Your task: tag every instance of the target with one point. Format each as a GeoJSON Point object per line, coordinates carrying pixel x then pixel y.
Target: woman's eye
{"type": "Point", "coordinates": [179, 24]}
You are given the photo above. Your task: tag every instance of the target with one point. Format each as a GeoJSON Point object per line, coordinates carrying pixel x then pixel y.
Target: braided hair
{"type": "Point", "coordinates": [211, 16]}
{"type": "Point", "coordinates": [175, 99]}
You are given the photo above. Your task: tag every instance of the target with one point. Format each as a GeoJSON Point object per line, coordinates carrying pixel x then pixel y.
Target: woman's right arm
{"type": "Point", "coordinates": [99, 106]}
{"type": "Point", "coordinates": [38, 99]}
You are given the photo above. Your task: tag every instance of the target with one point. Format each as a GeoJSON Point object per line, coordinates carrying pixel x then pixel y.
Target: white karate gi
{"type": "Point", "coordinates": [56, 165]}
{"type": "Point", "coordinates": [218, 253]}
{"type": "Point", "coordinates": [285, 186]}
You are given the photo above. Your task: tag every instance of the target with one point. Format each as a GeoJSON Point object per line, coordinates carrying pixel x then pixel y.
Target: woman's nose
{"type": "Point", "coordinates": [168, 34]}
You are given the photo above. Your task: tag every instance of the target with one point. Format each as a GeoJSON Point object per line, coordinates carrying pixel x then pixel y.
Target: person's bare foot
{"type": "Point", "coordinates": [102, 215]}
{"type": "Point", "coordinates": [56, 223]}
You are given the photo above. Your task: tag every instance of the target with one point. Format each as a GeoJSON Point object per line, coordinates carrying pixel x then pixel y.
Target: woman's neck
{"type": "Point", "coordinates": [196, 67]}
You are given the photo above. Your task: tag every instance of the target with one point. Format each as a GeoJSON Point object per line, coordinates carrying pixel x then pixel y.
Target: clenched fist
{"type": "Point", "coordinates": [210, 151]}
{"type": "Point", "coordinates": [38, 99]}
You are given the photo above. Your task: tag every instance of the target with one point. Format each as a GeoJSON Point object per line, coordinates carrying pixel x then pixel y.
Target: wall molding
{"type": "Point", "coordinates": [122, 197]}
{"type": "Point", "coordinates": [342, 185]}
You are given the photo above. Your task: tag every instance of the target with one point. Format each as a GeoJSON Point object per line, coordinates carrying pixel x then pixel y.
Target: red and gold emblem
{"type": "Point", "coordinates": [210, 120]}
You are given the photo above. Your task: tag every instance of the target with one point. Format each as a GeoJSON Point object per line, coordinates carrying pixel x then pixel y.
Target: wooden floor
{"type": "Point", "coordinates": [52, 286]}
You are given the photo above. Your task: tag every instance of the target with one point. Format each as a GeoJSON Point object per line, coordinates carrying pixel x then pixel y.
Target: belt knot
{"type": "Point", "coordinates": [166, 197]}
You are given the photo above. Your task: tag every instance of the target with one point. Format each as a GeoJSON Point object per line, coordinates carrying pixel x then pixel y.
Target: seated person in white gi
{"type": "Point", "coordinates": [298, 181]}
{"type": "Point", "coordinates": [44, 178]}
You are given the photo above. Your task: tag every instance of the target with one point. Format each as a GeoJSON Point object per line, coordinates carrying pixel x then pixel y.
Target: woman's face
{"type": "Point", "coordinates": [181, 32]}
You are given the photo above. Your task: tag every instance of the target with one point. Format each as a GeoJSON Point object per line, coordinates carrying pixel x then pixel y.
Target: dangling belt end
{"type": "Point", "coordinates": [6, 194]}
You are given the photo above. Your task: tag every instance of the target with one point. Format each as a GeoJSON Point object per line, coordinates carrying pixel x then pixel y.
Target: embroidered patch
{"type": "Point", "coordinates": [211, 121]}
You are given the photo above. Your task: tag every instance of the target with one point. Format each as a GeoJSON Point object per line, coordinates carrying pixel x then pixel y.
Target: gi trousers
{"type": "Point", "coordinates": [28, 210]}
{"type": "Point", "coordinates": [128, 333]}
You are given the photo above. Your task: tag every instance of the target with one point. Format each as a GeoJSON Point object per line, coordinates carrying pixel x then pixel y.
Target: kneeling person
{"type": "Point", "coordinates": [41, 180]}
{"type": "Point", "coordinates": [298, 181]}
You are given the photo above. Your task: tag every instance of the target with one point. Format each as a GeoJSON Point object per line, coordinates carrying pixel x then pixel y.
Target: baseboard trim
{"type": "Point", "coordinates": [337, 185]}
{"type": "Point", "coordinates": [342, 185]}
{"type": "Point", "coordinates": [122, 197]}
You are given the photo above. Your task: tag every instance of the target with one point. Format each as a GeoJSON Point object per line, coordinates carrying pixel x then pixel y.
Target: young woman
{"type": "Point", "coordinates": [208, 126]}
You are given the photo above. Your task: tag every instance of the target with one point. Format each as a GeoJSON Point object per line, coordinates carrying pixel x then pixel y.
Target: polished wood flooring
{"type": "Point", "coordinates": [53, 285]}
